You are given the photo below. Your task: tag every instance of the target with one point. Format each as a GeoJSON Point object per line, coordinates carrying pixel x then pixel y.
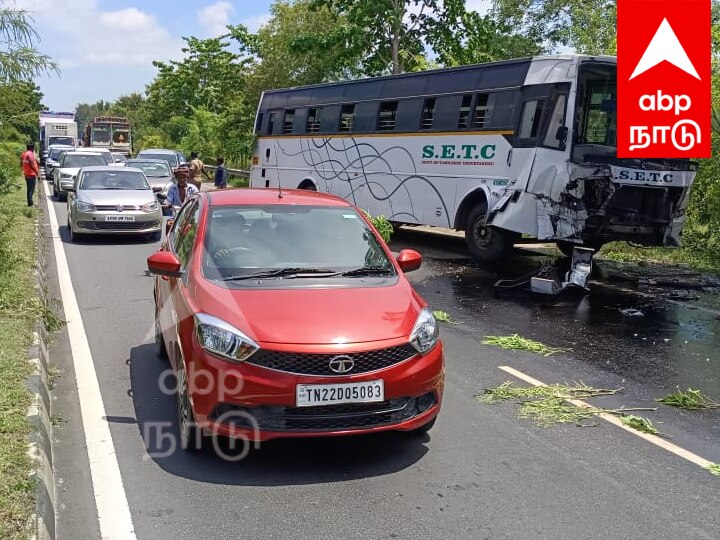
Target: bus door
{"type": "Point", "coordinates": [543, 122]}
{"type": "Point", "coordinates": [268, 149]}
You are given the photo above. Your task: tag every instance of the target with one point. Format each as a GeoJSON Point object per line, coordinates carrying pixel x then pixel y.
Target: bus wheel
{"type": "Point", "coordinates": [307, 185]}
{"type": "Point", "coordinates": [486, 244]}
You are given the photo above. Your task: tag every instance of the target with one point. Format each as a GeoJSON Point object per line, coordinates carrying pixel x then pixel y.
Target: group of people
{"type": "Point", "coordinates": [177, 193]}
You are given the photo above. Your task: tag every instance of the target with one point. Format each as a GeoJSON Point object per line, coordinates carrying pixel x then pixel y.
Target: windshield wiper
{"type": "Point", "coordinates": [369, 271]}
{"type": "Point", "coordinates": [285, 272]}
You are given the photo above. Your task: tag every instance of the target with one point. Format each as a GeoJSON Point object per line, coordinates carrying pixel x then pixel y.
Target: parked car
{"type": "Point", "coordinates": [157, 171]}
{"type": "Point", "coordinates": [175, 158]}
{"type": "Point", "coordinates": [65, 174]}
{"type": "Point", "coordinates": [118, 158]}
{"type": "Point", "coordinates": [112, 200]}
{"type": "Point", "coordinates": [53, 158]}
{"type": "Point", "coordinates": [105, 153]}
{"type": "Point", "coordinates": [297, 315]}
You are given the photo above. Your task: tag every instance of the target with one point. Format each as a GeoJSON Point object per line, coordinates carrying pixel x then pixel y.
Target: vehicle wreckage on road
{"type": "Point", "coordinates": [502, 151]}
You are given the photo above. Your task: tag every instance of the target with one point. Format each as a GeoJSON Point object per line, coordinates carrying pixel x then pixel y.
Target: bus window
{"type": "Point", "coordinates": [480, 112]}
{"type": "Point", "coordinates": [557, 120]}
{"type": "Point", "coordinates": [530, 119]}
{"type": "Point", "coordinates": [258, 125]}
{"type": "Point", "coordinates": [288, 121]}
{"type": "Point", "coordinates": [313, 120]}
{"type": "Point", "coordinates": [347, 117]}
{"type": "Point", "coordinates": [273, 123]}
{"type": "Point", "coordinates": [428, 112]}
{"type": "Point", "coordinates": [386, 116]}
{"type": "Point", "coordinates": [463, 119]}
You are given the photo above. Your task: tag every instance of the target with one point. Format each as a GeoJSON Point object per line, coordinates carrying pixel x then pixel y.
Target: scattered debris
{"type": "Point", "coordinates": [691, 400]}
{"type": "Point", "coordinates": [518, 343]}
{"type": "Point", "coordinates": [639, 423]}
{"type": "Point", "coordinates": [714, 468]}
{"type": "Point", "coordinates": [442, 316]}
{"type": "Point", "coordinates": [631, 312]}
{"type": "Point", "coordinates": [545, 280]}
{"type": "Point", "coordinates": [548, 405]}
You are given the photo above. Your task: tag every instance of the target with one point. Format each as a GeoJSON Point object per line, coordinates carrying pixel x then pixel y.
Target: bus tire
{"type": "Point", "coordinates": [486, 244]}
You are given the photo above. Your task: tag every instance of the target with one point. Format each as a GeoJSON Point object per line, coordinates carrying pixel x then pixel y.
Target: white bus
{"type": "Point", "coordinates": [498, 150]}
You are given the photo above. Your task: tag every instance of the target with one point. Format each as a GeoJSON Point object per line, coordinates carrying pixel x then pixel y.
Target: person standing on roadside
{"type": "Point", "coordinates": [31, 169]}
{"type": "Point", "coordinates": [197, 169]}
{"type": "Point", "coordinates": [221, 174]}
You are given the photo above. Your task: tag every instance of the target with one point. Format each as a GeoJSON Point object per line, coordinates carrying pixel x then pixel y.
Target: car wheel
{"type": "Point", "coordinates": [62, 196]}
{"type": "Point", "coordinates": [74, 237]}
{"type": "Point", "coordinates": [485, 243]}
{"type": "Point", "coordinates": [159, 339]}
{"type": "Point", "coordinates": [54, 192]}
{"type": "Point", "coordinates": [156, 236]}
{"type": "Point", "coordinates": [424, 428]}
{"type": "Point", "coordinates": [192, 438]}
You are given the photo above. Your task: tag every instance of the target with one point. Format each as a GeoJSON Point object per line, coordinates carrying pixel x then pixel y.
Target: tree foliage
{"type": "Point", "coordinates": [587, 26]}
{"type": "Point", "coordinates": [19, 58]}
{"type": "Point", "coordinates": [20, 103]}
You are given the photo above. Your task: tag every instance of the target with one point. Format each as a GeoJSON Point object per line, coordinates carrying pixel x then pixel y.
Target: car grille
{"type": "Point", "coordinates": [319, 364]}
{"type": "Point", "coordinates": [113, 207]}
{"type": "Point", "coordinates": [118, 225]}
{"type": "Point", "coordinates": [323, 418]}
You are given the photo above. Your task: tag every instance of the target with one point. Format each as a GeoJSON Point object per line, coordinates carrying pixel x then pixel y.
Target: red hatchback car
{"type": "Point", "coordinates": [284, 314]}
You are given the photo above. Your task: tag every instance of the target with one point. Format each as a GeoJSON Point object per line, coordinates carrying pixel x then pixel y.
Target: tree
{"type": "Point", "coordinates": [20, 103]}
{"type": "Point", "coordinates": [19, 59]}
{"type": "Point", "coordinates": [588, 26]}
{"type": "Point", "coordinates": [85, 112]}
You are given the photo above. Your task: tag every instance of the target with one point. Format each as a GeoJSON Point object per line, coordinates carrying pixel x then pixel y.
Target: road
{"type": "Point", "coordinates": [480, 473]}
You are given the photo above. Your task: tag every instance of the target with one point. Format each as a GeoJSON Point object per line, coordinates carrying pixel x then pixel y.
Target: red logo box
{"type": "Point", "coordinates": [664, 70]}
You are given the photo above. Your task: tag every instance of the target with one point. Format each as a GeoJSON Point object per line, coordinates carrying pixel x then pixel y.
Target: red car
{"type": "Point", "coordinates": [284, 314]}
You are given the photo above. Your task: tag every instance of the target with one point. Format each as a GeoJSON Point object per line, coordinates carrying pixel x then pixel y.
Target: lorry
{"type": "Point", "coordinates": [56, 128]}
{"type": "Point", "coordinates": [111, 132]}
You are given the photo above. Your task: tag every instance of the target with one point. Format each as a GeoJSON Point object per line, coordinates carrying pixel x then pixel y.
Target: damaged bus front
{"type": "Point", "coordinates": [573, 189]}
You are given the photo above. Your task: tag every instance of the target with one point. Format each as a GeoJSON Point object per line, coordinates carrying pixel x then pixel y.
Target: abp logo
{"type": "Point", "coordinates": [663, 79]}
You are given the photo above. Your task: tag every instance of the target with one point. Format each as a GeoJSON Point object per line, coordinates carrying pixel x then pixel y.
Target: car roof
{"type": "Point", "coordinates": [265, 196]}
{"type": "Point", "coordinates": [157, 151]}
{"type": "Point", "coordinates": [148, 160]}
{"type": "Point", "coordinates": [83, 153]}
{"type": "Point", "coordinates": [109, 168]}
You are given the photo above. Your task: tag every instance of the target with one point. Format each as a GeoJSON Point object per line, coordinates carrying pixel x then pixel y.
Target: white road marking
{"type": "Point", "coordinates": [112, 506]}
{"type": "Point", "coordinates": [614, 420]}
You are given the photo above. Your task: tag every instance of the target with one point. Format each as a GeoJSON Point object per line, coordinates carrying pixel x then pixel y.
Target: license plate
{"type": "Point", "coordinates": [119, 218]}
{"type": "Point", "coordinates": [310, 395]}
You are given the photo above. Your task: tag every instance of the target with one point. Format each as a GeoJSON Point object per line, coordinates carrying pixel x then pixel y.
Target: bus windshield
{"type": "Point", "coordinates": [596, 114]}
{"type": "Point", "coordinates": [69, 141]}
{"type": "Point", "coordinates": [101, 134]}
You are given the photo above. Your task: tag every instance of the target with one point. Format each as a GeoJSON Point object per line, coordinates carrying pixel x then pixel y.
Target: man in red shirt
{"type": "Point", "coordinates": [31, 169]}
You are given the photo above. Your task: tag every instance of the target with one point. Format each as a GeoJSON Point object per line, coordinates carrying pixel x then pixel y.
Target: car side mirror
{"type": "Point", "coordinates": [409, 260]}
{"type": "Point", "coordinates": [164, 263]}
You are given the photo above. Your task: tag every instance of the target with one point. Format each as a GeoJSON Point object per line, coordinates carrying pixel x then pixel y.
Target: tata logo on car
{"type": "Point", "coordinates": [341, 364]}
{"type": "Point", "coordinates": [458, 152]}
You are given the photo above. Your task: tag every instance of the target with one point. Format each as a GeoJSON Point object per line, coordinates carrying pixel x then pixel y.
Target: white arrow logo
{"type": "Point", "coordinates": [665, 45]}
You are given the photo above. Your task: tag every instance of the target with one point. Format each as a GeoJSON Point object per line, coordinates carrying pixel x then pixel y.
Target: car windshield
{"type": "Point", "coordinates": [55, 153]}
{"type": "Point", "coordinates": [151, 168]}
{"type": "Point", "coordinates": [284, 241]}
{"type": "Point", "coordinates": [77, 161]}
{"type": "Point", "coordinates": [170, 158]}
{"type": "Point", "coordinates": [113, 180]}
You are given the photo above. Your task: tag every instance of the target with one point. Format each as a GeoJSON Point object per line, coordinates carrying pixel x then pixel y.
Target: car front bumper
{"type": "Point", "coordinates": [98, 222]}
{"type": "Point", "coordinates": [258, 404]}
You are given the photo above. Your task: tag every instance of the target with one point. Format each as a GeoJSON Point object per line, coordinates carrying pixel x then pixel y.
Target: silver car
{"type": "Point", "coordinates": [65, 174]}
{"type": "Point", "coordinates": [157, 171]}
{"type": "Point", "coordinates": [113, 200]}
{"type": "Point", "coordinates": [52, 160]}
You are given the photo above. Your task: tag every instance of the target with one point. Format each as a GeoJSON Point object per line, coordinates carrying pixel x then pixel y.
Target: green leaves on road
{"type": "Point", "coordinates": [518, 343]}
{"type": "Point", "coordinates": [691, 400]}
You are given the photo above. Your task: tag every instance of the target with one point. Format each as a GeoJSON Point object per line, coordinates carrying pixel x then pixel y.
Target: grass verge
{"type": "Point", "coordinates": [624, 252]}
{"type": "Point", "coordinates": [20, 308]}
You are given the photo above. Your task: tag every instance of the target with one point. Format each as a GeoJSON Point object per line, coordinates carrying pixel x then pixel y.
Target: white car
{"type": "Point", "coordinates": [66, 172]}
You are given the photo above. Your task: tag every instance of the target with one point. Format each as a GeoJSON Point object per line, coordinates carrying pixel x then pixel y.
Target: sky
{"type": "Point", "coordinates": [105, 48]}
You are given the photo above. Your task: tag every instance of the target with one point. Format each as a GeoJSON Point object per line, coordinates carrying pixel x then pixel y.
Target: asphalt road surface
{"type": "Point", "coordinates": [480, 473]}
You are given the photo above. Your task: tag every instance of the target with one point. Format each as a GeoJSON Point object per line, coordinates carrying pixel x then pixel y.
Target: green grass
{"type": "Point", "coordinates": [19, 311]}
{"type": "Point", "coordinates": [623, 252]}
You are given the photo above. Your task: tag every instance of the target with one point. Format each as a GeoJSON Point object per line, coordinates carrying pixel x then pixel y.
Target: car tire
{"type": "Point", "coordinates": [486, 244]}
{"type": "Point", "coordinates": [74, 237]}
{"type": "Point", "coordinates": [156, 236]}
{"type": "Point", "coordinates": [159, 339]}
{"type": "Point", "coordinates": [424, 428]}
{"type": "Point", "coordinates": [192, 438]}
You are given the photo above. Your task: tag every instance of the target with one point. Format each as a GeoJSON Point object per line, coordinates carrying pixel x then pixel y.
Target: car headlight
{"type": "Point", "coordinates": [65, 175]}
{"type": "Point", "coordinates": [150, 207]}
{"type": "Point", "coordinates": [425, 333]}
{"type": "Point", "coordinates": [222, 339]}
{"type": "Point", "coordinates": [81, 206]}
